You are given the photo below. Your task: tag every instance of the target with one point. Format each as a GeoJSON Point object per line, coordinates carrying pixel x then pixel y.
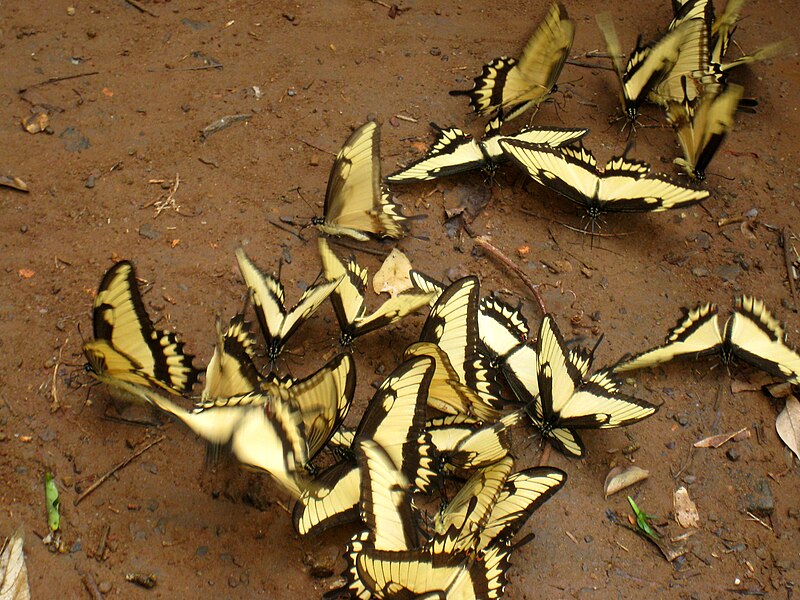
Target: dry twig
{"type": "Point", "coordinates": [141, 8]}
{"type": "Point", "coordinates": [786, 234]}
{"type": "Point", "coordinates": [121, 465]}
{"type": "Point", "coordinates": [56, 404]}
{"type": "Point", "coordinates": [486, 245]}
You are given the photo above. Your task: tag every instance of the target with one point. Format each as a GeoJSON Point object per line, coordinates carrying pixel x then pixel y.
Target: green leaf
{"type": "Point", "coordinates": [641, 520]}
{"type": "Point", "coordinates": [53, 502]}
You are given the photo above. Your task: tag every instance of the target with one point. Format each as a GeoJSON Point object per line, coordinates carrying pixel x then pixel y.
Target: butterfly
{"type": "Point", "coordinates": [268, 296]}
{"type": "Point", "coordinates": [126, 345]}
{"type": "Point", "coordinates": [702, 125]}
{"type": "Point", "coordinates": [510, 86]}
{"type": "Point", "coordinates": [564, 400]}
{"type": "Point", "coordinates": [623, 185]}
{"type": "Point", "coordinates": [355, 204]}
{"type": "Point", "coordinates": [647, 65]}
{"type": "Point", "coordinates": [348, 298]}
{"type": "Point", "coordinates": [751, 334]}
{"type": "Point", "coordinates": [457, 152]}
{"type": "Point", "coordinates": [463, 380]}
{"type": "Point", "coordinates": [395, 419]}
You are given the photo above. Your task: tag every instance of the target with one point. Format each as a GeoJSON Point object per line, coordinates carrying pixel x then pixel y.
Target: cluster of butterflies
{"type": "Point", "coordinates": [445, 413]}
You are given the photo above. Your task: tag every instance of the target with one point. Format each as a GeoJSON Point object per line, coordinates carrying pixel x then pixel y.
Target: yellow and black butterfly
{"type": "Point", "coordinates": [457, 152]}
{"type": "Point", "coordinates": [751, 334]}
{"type": "Point", "coordinates": [647, 66]}
{"type": "Point", "coordinates": [268, 296]}
{"type": "Point", "coordinates": [323, 400]}
{"type": "Point", "coordinates": [463, 382]}
{"type": "Point", "coordinates": [493, 505]}
{"type": "Point", "coordinates": [722, 31]}
{"type": "Point", "coordinates": [355, 204]}
{"type": "Point", "coordinates": [509, 86]}
{"type": "Point", "coordinates": [623, 185]}
{"type": "Point", "coordinates": [394, 419]}
{"type": "Point", "coordinates": [263, 431]}
{"type": "Point", "coordinates": [564, 400]}
{"type": "Point", "coordinates": [391, 559]}
{"type": "Point", "coordinates": [348, 298]}
{"type": "Point", "coordinates": [702, 125]}
{"type": "Point", "coordinates": [126, 345]}
{"type": "Point", "coordinates": [231, 370]}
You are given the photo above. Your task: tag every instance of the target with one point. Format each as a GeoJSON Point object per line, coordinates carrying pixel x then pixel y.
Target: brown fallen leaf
{"type": "Point", "coordinates": [715, 441]}
{"type": "Point", "coordinates": [619, 478]}
{"type": "Point", "coordinates": [779, 390]}
{"type": "Point", "coordinates": [393, 275]}
{"type": "Point", "coordinates": [13, 182]}
{"type": "Point", "coordinates": [13, 572]}
{"type": "Point", "coordinates": [787, 424]}
{"type": "Point", "coordinates": [686, 514]}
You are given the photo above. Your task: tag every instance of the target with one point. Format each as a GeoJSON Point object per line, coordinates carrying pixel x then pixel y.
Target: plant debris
{"type": "Point", "coordinates": [715, 441]}
{"type": "Point", "coordinates": [686, 514]}
{"type": "Point", "coordinates": [220, 124]}
{"type": "Point", "coordinates": [393, 275]}
{"type": "Point", "coordinates": [620, 478]}
{"type": "Point", "coordinates": [13, 571]}
{"type": "Point", "coordinates": [14, 183]}
{"type": "Point", "coordinates": [787, 424]}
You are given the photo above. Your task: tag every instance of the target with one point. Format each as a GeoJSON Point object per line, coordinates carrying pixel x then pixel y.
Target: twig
{"type": "Point", "coordinates": [578, 63]}
{"type": "Point", "coordinates": [57, 79]}
{"type": "Point", "coordinates": [141, 8]}
{"type": "Point", "coordinates": [786, 235]}
{"type": "Point", "coordinates": [91, 586]}
{"type": "Point", "coordinates": [343, 244]}
{"type": "Point", "coordinates": [759, 521]}
{"type": "Point", "coordinates": [545, 454]}
{"type": "Point", "coordinates": [56, 404]}
{"type": "Point", "coordinates": [484, 243]}
{"type": "Point", "coordinates": [310, 145]}
{"type": "Point", "coordinates": [121, 465]}
{"type": "Point", "coordinates": [287, 230]}
{"type": "Point", "coordinates": [101, 547]}
{"type": "Point", "coordinates": [169, 202]}
{"type": "Point", "coordinates": [405, 118]}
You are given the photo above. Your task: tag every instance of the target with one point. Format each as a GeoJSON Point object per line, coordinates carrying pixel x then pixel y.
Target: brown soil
{"type": "Point", "coordinates": [132, 117]}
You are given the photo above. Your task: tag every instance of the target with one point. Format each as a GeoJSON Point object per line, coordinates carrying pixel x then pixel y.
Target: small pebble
{"type": "Point", "coordinates": [89, 182]}
{"type": "Point", "coordinates": [435, 51]}
{"type": "Point", "coordinates": [23, 228]}
{"type": "Point", "coordinates": [104, 587]}
{"type": "Point", "coordinates": [201, 551]}
{"type": "Point", "coordinates": [71, 11]}
{"type": "Point", "coordinates": [733, 454]}
{"type": "Point", "coordinates": [700, 272]}
{"type": "Point", "coordinates": [233, 581]}
{"type": "Point", "coordinates": [588, 539]}
{"type": "Point", "coordinates": [670, 444]}
{"type": "Point", "coordinates": [291, 93]}
{"type": "Point", "coordinates": [689, 479]}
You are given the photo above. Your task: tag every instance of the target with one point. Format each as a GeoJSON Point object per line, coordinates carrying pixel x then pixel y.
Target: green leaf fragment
{"type": "Point", "coordinates": [53, 502]}
{"type": "Point", "coordinates": [641, 520]}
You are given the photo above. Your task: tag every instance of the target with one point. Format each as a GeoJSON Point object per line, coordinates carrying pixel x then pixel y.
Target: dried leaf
{"type": "Point", "coordinates": [788, 425]}
{"type": "Point", "coordinates": [13, 572]}
{"type": "Point", "coordinates": [36, 123]}
{"type": "Point", "coordinates": [685, 510]}
{"type": "Point", "coordinates": [393, 275]}
{"type": "Point", "coordinates": [715, 441]}
{"type": "Point", "coordinates": [619, 478]}
{"type": "Point", "coordinates": [779, 390]}
{"type": "Point", "coordinates": [13, 182]}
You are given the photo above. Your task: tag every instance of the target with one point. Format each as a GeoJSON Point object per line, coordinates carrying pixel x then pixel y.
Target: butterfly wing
{"type": "Point", "coordinates": [696, 334]}
{"type": "Point", "coordinates": [453, 152]}
{"type": "Point", "coordinates": [127, 346]}
{"type": "Point", "coordinates": [355, 205]}
{"type": "Point", "coordinates": [231, 371]}
{"type": "Point", "coordinates": [428, 284]}
{"type": "Point", "coordinates": [324, 399]}
{"type": "Point", "coordinates": [757, 337]}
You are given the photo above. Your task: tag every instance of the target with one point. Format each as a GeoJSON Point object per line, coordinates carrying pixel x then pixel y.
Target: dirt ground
{"type": "Point", "coordinates": [125, 132]}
